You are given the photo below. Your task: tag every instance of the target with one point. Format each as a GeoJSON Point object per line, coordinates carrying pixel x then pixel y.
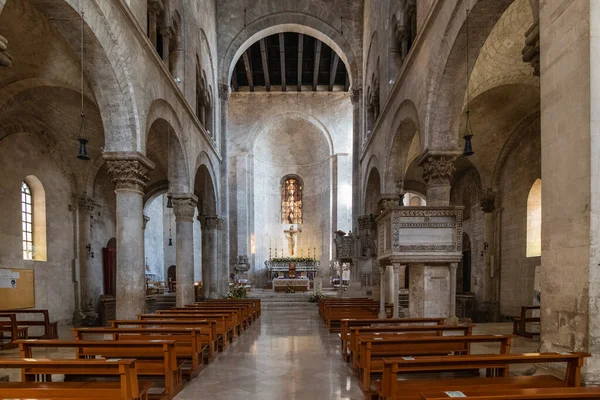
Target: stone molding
{"type": "Point", "coordinates": [438, 169]}
{"type": "Point", "coordinates": [86, 204]}
{"type": "Point", "coordinates": [129, 170]}
{"type": "Point", "coordinates": [531, 51]}
{"type": "Point", "coordinates": [387, 202]}
{"type": "Point", "coordinates": [184, 208]}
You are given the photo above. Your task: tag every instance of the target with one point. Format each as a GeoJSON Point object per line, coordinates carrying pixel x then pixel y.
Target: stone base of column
{"type": "Point", "coordinates": [382, 315]}
{"type": "Point", "coordinates": [451, 321]}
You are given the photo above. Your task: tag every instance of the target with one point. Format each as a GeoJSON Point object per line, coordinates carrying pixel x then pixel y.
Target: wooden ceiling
{"type": "Point", "coordinates": [307, 64]}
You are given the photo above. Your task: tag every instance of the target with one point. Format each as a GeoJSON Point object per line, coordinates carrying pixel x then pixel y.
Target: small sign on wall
{"type": "Point", "coordinates": [17, 289]}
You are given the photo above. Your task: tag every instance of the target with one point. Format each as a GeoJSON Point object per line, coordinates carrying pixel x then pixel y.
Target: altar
{"type": "Point", "coordinates": [297, 285]}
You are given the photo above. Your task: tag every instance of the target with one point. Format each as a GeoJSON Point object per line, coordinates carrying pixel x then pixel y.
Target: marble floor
{"type": "Point", "coordinates": [287, 354]}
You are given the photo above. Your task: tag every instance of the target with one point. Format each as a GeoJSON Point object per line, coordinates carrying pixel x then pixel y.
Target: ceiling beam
{"type": "Point", "coordinates": [334, 64]}
{"type": "Point", "coordinates": [282, 58]}
{"type": "Point", "coordinates": [300, 54]}
{"type": "Point", "coordinates": [248, 66]}
{"type": "Point", "coordinates": [265, 64]}
{"type": "Point", "coordinates": [317, 60]}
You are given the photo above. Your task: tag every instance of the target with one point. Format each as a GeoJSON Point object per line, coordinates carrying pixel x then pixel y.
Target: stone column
{"type": "Point", "coordinates": [356, 98]}
{"type": "Point", "coordinates": [382, 313]}
{"type": "Point", "coordinates": [184, 207]}
{"type": "Point", "coordinates": [452, 301]}
{"type": "Point", "coordinates": [224, 195]}
{"type": "Point", "coordinates": [87, 279]}
{"type": "Point", "coordinates": [210, 260]}
{"type": "Point", "coordinates": [395, 290]}
{"type": "Point", "coordinates": [489, 229]}
{"type": "Point", "coordinates": [166, 35]}
{"type": "Point", "coordinates": [437, 173]}
{"type": "Point", "coordinates": [153, 11]}
{"type": "Point", "coordinates": [130, 175]}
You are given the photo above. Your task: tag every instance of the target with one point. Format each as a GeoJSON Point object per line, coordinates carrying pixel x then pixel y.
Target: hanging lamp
{"type": "Point", "coordinates": [83, 153]}
{"type": "Point", "coordinates": [468, 150]}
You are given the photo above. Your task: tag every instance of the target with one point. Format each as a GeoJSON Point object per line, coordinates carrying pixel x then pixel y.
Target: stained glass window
{"type": "Point", "coordinates": [27, 221]}
{"type": "Point", "coordinates": [291, 201]}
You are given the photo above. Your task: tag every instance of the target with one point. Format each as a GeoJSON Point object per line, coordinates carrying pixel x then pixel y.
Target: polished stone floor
{"type": "Point", "coordinates": [286, 354]}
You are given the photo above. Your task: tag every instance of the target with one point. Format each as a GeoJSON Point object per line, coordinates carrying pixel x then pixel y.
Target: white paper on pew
{"type": "Point", "coordinates": [378, 338]}
{"type": "Point", "coordinates": [113, 360]}
{"type": "Point", "coordinates": [408, 358]}
{"type": "Point", "coordinates": [456, 394]}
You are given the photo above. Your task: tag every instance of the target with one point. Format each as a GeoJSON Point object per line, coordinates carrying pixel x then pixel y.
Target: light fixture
{"type": "Point", "coordinates": [170, 238]}
{"type": "Point", "coordinates": [169, 202]}
{"type": "Point", "coordinates": [468, 150]}
{"type": "Point", "coordinates": [83, 154]}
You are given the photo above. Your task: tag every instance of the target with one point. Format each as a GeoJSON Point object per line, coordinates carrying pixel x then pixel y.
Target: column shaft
{"type": "Point", "coordinates": [356, 136]}
{"type": "Point", "coordinates": [223, 244]}
{"type": "Point", "coordinates": [86, 277]}
{"type": "Point", "coordinates": [382, 313]}
{"type": "Point", "coordinates": [395, 290]}
{"type": "Point", "coordinates": [184, 207]}
{"type": "Point", "coordinates": [452, 301]}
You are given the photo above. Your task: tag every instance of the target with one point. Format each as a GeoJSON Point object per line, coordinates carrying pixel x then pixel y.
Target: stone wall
{"type": "Point", "coordinates": [22, 155]}
{"type": "Point", "coordinates": [521, 170]}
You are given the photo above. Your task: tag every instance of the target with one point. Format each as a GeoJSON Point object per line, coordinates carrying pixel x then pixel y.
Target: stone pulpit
{"type": "Point", "coordinates": [427, 240]}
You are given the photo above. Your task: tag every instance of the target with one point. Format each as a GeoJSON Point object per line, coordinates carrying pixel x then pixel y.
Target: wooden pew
{"type": "Point", "coordinates": [332, 300]}
{"type": "Point", "coordinates": [155, 358]}
{"type": "Point", "coordinates": [225, 324]}
{"type": "Point", "coordinates": [497, 393]}
{"type": "Point", "coordinates": [9, 324]}
{"type": "Point", "coordinates": [237, 319]}
{"type": "Point", "coordinates": [374, 349]}
{"type": "Point", "coordinates": [520, 323]}
{"type": "Point", "coordinates": [245, 310]}
{"type": "Point", "coordinates": [127, 387]}
{"type": "Point", "coordinates": [190, 343]}
{"type": "Point", "coordinates": [354, 322]}
{"type": "Point", "coordinates": [254, 302]}
{"type": "Point", "coordinates": [496, 366]}
{"type": "Point", "coordinates": [203, 324]}
{"type": "Point", "coordinates": [50, 328]}
{"type": "Point", "coordinates": [358, 332]}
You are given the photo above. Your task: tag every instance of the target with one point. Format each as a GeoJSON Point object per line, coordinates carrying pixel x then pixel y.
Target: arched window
{"type": "Point", "coordinates": [291, 200]}
{"type": "Point", "coordinates": [534, 220]}
{"type": "Point", "coordinates": [27, 221]}
{"type": "Point", "coordinates": [33, 219]}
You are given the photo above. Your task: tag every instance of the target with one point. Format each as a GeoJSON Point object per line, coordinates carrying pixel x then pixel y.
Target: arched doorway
{"type": "Point", "coordinates": [172, 278]}
{"type": "Point", "coordinates": [463, 274]}
{"type": "Point", "coordinates": [109, 267]}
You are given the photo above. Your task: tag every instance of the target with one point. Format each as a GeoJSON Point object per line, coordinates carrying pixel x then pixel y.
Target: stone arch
{"type": "Point", "coordinates": [405, 125]}
{"type": "Point", "coordinates": [373, 186]}
{"type": "Point", "coordinates": [112, 86]}
{"type": "Point", "coordinates": [162, 117]}
{"type": "Point", "coordinates": [204, 189]}
{"type": "Point", "coordinates": [447, 85]}
{"type": "Point", "coordinates": [204, 161]}
{"type": "Point", "coordinates": [290, 22]}
{"type": "Point", "coordinates": [259, 127]}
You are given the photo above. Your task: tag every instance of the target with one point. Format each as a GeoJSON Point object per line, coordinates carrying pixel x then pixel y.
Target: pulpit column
{"type": "Point", "coordinates": [184, 206]}
{"type": "Point", "coordinates": [210, 268]}
{"type": "Point", "coordinates": [130, 175]}
{"type": "Point", "coordinates": [452, 301]}
{"type": "Point", "coordinates": [438, 170]}
{"type": "Point", "coordinates": [382, 313]}
{"type": "Point", "coordinates": [396, 287]}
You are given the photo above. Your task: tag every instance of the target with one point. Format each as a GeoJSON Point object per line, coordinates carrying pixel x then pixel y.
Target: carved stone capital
{"type": "Point", "coordinates": [86, 204]}
{"type": "Point", "coordinates": [210, 222]}
{"type": "Point", "coordinates": [387, 202]}
{"type": "Point", "coordinates": [184, 207]}
{"type": "Point", "coordinates": [531, 51]}
{"type": "Point", "coordinates": [224, 92]}
{"type": "Point", "coordinates": [155, 7]}
{"type": "Point", "coordinates": [166, 32]}
{"type": "Point", "coordinates": [438, 169]}
{"type": "Point", "coordinates": [128, 174]}
{"type": "Point", "coordinates": [5, 58]}
{"type": "Point", "coordinates": [145, 221]}
{"type": "Point", "coordinates": [396, 268]}
{"type": "Point", "coordinates": [356, 95]}
{"type": "Point", "coordinates": [488, 201]}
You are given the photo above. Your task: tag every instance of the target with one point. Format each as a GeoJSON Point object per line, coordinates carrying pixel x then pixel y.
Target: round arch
{"type": "Point", "coordinates": [290, 22]}
{"type": "Point", "coordinates": [372, 176]}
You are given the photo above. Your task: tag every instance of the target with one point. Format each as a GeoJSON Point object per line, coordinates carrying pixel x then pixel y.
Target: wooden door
{"type": "Point", "coordinates": [109, 269]}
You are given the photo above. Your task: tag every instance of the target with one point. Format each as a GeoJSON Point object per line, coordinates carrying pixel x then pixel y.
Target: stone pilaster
{"type": "Point", "coordinates": [224, 93]}
{"type": "Point", "coordinates": [356, 98]}
{"type": "Point", "coordinates": [184, 207]}
{"type": "Point", "coordinates": [531, 51]}
{"type": "Point", "coordinates": [129, 175]}
{"type": "Point", "coordinates": [452, 301]}
{"type": "Point", "coordinates": [491, 262]}
{"type": "Point", "coordinates": [382, 313]}
{"type": "Point", "coordinates": [88, 280]}
{"type": "Point", "coordinates": [438, 170]}
{"type": "Point", "coordinates": [166, 35]}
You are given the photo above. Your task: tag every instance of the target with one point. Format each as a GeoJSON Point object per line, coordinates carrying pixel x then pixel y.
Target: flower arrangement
{"type": "Point", "coordinates": [289, 289]}
{"type": "Point", "coordinates": [315, 297]}
{"type": "Point", "coordinates": [238, 292]}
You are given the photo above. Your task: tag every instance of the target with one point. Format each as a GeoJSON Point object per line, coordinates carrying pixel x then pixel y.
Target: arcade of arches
{"type": "Point", "coordinates": [224, 137]}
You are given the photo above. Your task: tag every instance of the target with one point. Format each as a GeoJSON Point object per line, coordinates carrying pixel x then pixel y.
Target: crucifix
{"type": "Point", "coordinates": [291, 234]}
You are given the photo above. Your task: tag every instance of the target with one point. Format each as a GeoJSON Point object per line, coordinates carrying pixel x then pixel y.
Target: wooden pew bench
{"type": "Point", "coordinates": [335, 314]}
{"type": "Point", "coordinates": [190, 343]}
{"type": "Point", "coordinates": [496, 366]}
{"type": "Point", "coordinates": [8, 323]}
{"type": "Point", "coordinates": [237, 318]}
{"type": "Point", "coordinates": [154, 358]}
{"type": "Point", "coordinates": [520, 323]}
{"type": "Point", "coordinates": [50, 328]}
{"type": "Point", "coordinates": [126, 386]}
{"type": "Point", "coordinates": [225, 326]}
{"type": "Point", "coordinates": [331, 300]}
{"type": "Point", "coordinates": [373, 322]}
{"type": "Point", "coordinates": [374, 349]}
{"type": "Point", "coordinates": [204, 325]}
{"type": "Point", "coordinates": [497, 393]}
{"type": "Point", "coordinates": [255, 303]}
